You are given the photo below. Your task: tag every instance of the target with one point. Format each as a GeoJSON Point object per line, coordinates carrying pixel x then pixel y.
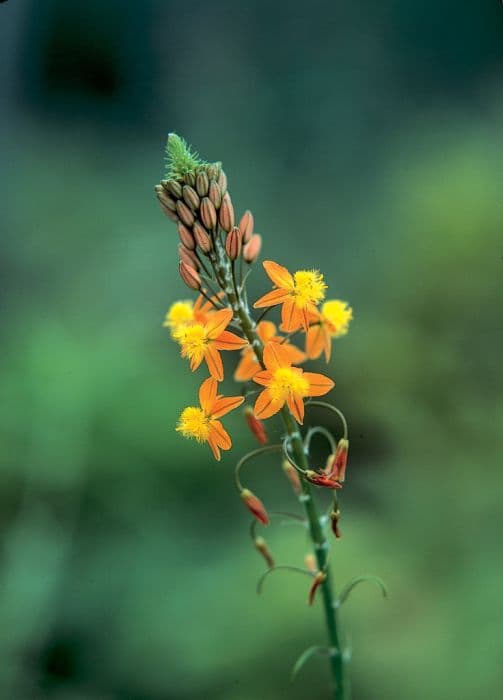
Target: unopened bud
{"type": "Point", "coordinates": [188, 256]}
{"type": "Point", "coordinates": [251, 251]}
{"type": "Point", "coordinates": [215, 194]}
{"type": "Point", "coordinates": [213, 172]}
{"type": "Point", "coordinates": [190, 178]}
{"type": "Point", "coordinates": [256, 426]}
{"type": "Point", "coordinates": [261, 546]}
{"type": "Point", "coordinates": [175, 188]}
{"type": "Point", "coordinates": [233, 243]}
{"type": "Point", "coordinates": [317, 581]}
{"type": "Point", "coordinates": [202, 238]}
{"type": "Point", "coordinates": [292, 475]}
{"type": "Point", "coordinates": [246, 226]}
{"type": "Point", "coordinates": [334, 519]}
{"type": "Point", "coordinates": [202, 184]}
{"type": "Point", "coordinates": [226, 213]}
{"type": "Point", "coordinates": [186, 236]}
{"type": "Point", "coordinates": [310, 562]}
{"type": "Point", "coordinates": [321, 479]}
{"type": "Point", "coordinates": [255, 506]}
{"type": "Point", "coordinates": [341, 459]}
{"type": "Point", "coordinates": [164, 198]}
{"type": "Point", "coordinates": [185, 214]}
{"type": "Point", "coordinates": [191, 197]}
{"type": "Point", "coordinates": [222, 181]}
{"type": "Point", "coordinates": [208, 214]}
{"type": "Point", "coordinates": [189, 275]}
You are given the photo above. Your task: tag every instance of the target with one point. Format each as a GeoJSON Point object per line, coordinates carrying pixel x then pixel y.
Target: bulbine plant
{"type": "Point", "coordinates": [216, 258]}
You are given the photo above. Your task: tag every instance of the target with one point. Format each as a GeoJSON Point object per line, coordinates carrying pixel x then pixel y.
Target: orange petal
{"type": "Point", "coordinates": [214, 362]}
{"type": "Point", "coordinates": [218, 322]}
{"type": "Point", "coordinates": [229, 341]}
{"type": "Point", "coordinates": [224, 404]}
{"type": "Point", "coordinates": [266, 330]}
{"type": "Point", "coordinates": [327, 344]}
{"type": "Point", "coordinates": [314, 342]}
{"type": "Point", "coordinates": [214, 446]}
{"type": "Point", "coordinates": [291, 316]}
{"type": "Point", "coordinates": [295, 355]}
{"type": "Point", "coordinates": [265, 407]}
{"type": "Point", "coordinates": [296, 406]}
{"type": "Point", "coordinates": [247, 367]}
{"type": "Point", "coordinates": [219, 435]}
{"type": "Point", "coordinates": [195, 362]}
{"type": "Point", "coordinates": [263, 377]}
{"type": "Point", "coordinates": [208, 394]}
{"type": "Point", "coordinates": [318, 383]}
{"type": "Point", "coordinates": [275, 356]}
{"type": "Point", "coordinates": [278, 274]}
{"type": "Point", "coordinates": [277, 296]}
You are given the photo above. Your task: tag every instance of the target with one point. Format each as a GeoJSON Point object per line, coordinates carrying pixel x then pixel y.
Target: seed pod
{"type": "Point", "coordinates": [222, 181]}
{"type": "Point", "coordinates": [202, 184]}
{"type": "Point", "coordinates": [185, 214]}
{"type": "Point", "coordinates": [202, 238]}
{"type": "Point", "coordinates": [164, 198]}
{"type": "Point", "coordinates": [190, 178]}
{"type": "Point", "coordinates": [226, 214]}
{"type": "Point", "coordinates": [255, 506]}
{"type": "Point", "coordinates": [233, 243]}
{"type": "Point", "coordinates": [189, 275]}
{"type": "Point", "coordinates": [292, 476]}
{"type": "Point", "coordinates": [334, 518]}
{"type": "Point", "coordinates": [191, 197]}
{"type": "Point", "coordinates": [246, 226]}
{"type": "Point", "coordinates": [175, 188]}
{"type": "Point", "coordinates": [310, 562]}
{"type": "Point", "coordinates": [208, 214]}
{"type": "Point", "coordinates": [188, 256]}
{"type": "Point", "coordinates": [186, 236]}
{"type": "Point", "coordinates": [251, 250]}
{"type": "Point", "coordinates": [256, 426]}
{"type": "Point", "coordinates": [215, 194]}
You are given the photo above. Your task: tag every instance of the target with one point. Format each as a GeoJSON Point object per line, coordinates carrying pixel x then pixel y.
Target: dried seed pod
{"type": "Point", "coordinates": [215, 194]}
{"type": "Point", "coordinates": [208, 214]}
{"type": "Point", "coordinates": [191, 197]}
{"type": "Point", "coordinates": [226, 213]}
{"type": "Point", "coordinates": [188, 257]}
{"type": "Point", "coordinates": [246, 226]}
{"type": "Point", "coordinates": [175, 188]}
{"type": "Point", "coordinates": [185, 214]}
{"type": "Point", "coordinates": [251, 251]}
{"type": "Point", "coordinates": [202, 184]}
{"type": "Point", "coordinates": [222, 181]}
{"type": "Point", "coordinates": [164, 198]}
{"type": "Point", "coordinates": [233, 243]}
{"type": "Point", "coordinates": [189, 275]}
{"type": "Point", "coordinates": [186, 236]}
{"type": "Point", "coordinates": [202, 238]}
{"type": "Point", "coordinates": [255, 506]}
{"type": "Point", "coordinates": [190, 178]}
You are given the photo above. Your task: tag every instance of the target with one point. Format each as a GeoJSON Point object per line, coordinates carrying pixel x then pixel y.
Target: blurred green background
{"type": "Point", "coordinates": [366, 138]}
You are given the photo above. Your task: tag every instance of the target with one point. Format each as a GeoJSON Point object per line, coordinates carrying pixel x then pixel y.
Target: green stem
{"type": "Point", "coordinates": [249, 328]}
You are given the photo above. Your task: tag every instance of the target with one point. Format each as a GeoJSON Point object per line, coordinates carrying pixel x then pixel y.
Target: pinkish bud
{"type": "Point", "coordinates": [246, 226]}
{"type": "Point", "coordinates": [251, 251]}
{"type": "Point", "coordinates": [186, 237]}
{"type": "Point", "coordinates": [185, 214]}
{"type": "Point", "coordinates": [202, 184]}
{"type": "Point", "coordinates": [256, 426]}
{"type": "Point", "coordinates": [317, 581]}
{"type": "Point", "coordinates": [336, 464]}
{"type": "Point", "coordinates": [188, 256]}
{"type": "Point", "coordinates": [164, 198]}
{"type": "Point", "coordinates": [189, 275]}
{"type": "Point", "coordinates": [255, 506]}
{"type": "Point", "coordinates": [261, 546]}
{"type": "Point", "coordinates": [191, 197]}
{"type": "Point", "coordinates": [208, 214]}
{"type": "Point", "coordinates": [321, 479]}
{"type": "Point", "coordinates": [233, 243]}
{"type": "Point", "coordinates": [226, 214]}
{"type": "Point", "coordinates": [293, 476]}
{"type": "Point", "coordinates": [222, 181]}
{"type": "Point", "coordinates": [202, 238]}
{"type": "Point", "coordinates": [215, 194]}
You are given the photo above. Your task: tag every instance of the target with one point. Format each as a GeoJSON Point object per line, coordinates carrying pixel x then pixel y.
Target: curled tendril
{"type": "Point", "coordinates": [306, 655]}
{"type": "Point", "coordinates": [349, 587]}
{"type": "Point", "coordinates": [334, 409]}
{"type": "Point", "coordinates": [248, 457]}
{"type": "Point", "coordinates": [281, 567]}
{"type": "Point", "coordinates": [298, 520]}
{"type": "Point", "coordinates": [319, 430]}
{"type": "Point", "coordinates": [285, 445]}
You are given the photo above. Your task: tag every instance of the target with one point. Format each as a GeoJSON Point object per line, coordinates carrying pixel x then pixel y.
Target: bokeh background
{"type": "Point", "coordinates": [366, 138]}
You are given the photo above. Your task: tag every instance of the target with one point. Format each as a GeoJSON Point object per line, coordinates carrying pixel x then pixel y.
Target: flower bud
{"type": "Point", "coordinates": [334, 519]}
{"type": "Point", "coordinates": [321, 479]}
{"type": "Point", "coordinates": [186, 236]}
{"type": "Point", "coordinates": [256, 426]}
{"type": "Point", "coordinates": [261, 546]}
{"type": "Point", "coordinates": [164, 198]}
{"type": "Point", "coordinates": [310, 562]}
{"type": "Point", "coordinates": [317, 581]}
{"type": "Point", "coordinates": [189, 275]}
{"type": "Point", "coordinates": [202, 184]}
{"type": "Point", "coordinates": [202, 238]}
{"type": "Point", "coordinates": [190, 178]}
{"type": "Point", "coordinates": [191, 197]}
{"type": "Point", "coordinates": [215, 194]}
{"type": "Point", "coordinates": [175, 188]}
{"type": "Point", "coordinates": [341, 459]}
{"type": "Point", "coordinates": [233, 243]}
{"type": "Point", "coordinates": [188, 256]}
{"type": "Point", "coordinates": [185, 214]}
{"type": "Point", "coordinates": [251, 251]}
{"type": "Point", "coordinates": [222, 181]}
{"type": "Point", "coordinates": [246, 226]}
{"type": "Point", "coordinates": [208, 214]}
{"type": "Point", "coordinates": [226, 214]}
{"type": "Point", "coordinates": [213, 171]}
{"type": "Point", "coordinates": [292, 476]}
{"type": "Point", "coordinates": [255, 506]}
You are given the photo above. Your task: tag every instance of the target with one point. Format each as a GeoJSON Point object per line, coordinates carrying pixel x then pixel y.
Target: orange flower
{"type": "Point", "coordinates": [202, 423]}
{"type": "Point", "coordinates": [299, 295]}
{"type": "Point", "coordinates": [203, 341]}
{"type": "Point", "coordinates": [286, 384]}
{"type": "Point", "coordinates": [249, 365]}
{"type": "Point", "coordinates": [331, 321]}
{"type": "Point", "coordinates": [182, 313]}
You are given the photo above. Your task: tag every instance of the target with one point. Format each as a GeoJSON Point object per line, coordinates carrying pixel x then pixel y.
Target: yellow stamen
{"type": "Point", "coordinates": [179, 314]}
{"type": "Point", "coordinates": [286, 382]}
{"type": "Point", "coordinates": [338, 314]}
{"type": "Point", "coordinates": [194, 423]}
{"type": "Point", "coordinates": [193, 341]}
{"type": "Point", "coordinates": [309, 287]}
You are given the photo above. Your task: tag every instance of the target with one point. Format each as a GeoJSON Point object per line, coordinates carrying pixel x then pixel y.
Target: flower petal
{"type": "Point", "coordinates": [278, 274]}
{"type": "Point", "coordinates": [314, 342]}
{"type": "Point", "coordinates": [277, 296]}
{"type": "Point", "coordinates": [208, 394]}
{"type": "Point", "coordinates": [219, 435]}
{"type": "Point", "coordinates": [318, 383]}
{"type": "Point", "coordinates": [214, 362]}
{"type": "Point", "coordinates": [214, 446]}
{"type": "Point", "coordinates": [224, 404]}
{"type": "Point", "coordinates": [275, 356]}
{"type": "Point", "coordinates": [296, 406]}
{"type": "Point", "coordinates": [295, 355]}
{"type": "Point", "coordinates": [247, 367]}
{"type": "Point", "coordinates": [229, 341]}
{"type": "Point", "coordinates": [265, 406]}
{"type": "Point", "coordinates": [266, 330]}
{"type": "Point", "coordinates": [218, 322]}
{"type": "Point", "coordinates": [263, 377]}
{"type": "Point", "coordinates": [291, 316]}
